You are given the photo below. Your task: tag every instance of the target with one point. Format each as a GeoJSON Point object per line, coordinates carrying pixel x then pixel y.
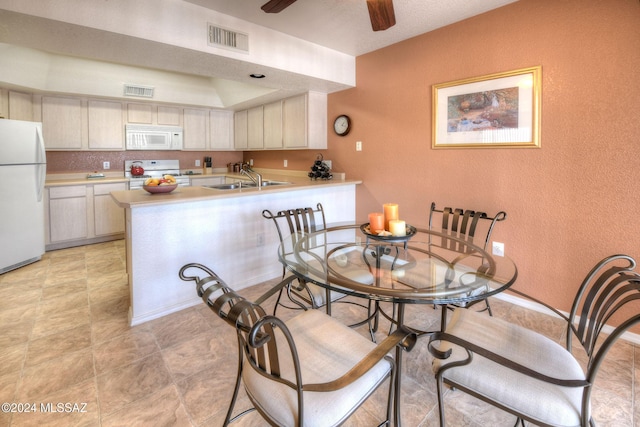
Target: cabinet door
{"type": "Point", "coordinates": [68, 213]}
{"type": "Point", "coordinates": [169, 116]}
{"type": "Point", "coordinates": [106, 128]}
{"type": "Point", "coordinates": [221, 123]}
{"type": "Point", "coordinates": [139, 113]}
{"type": "Point", "coordinates": [109, 217]}
{"type": "Point", "coordinates": [62, 123]}
{"type": "Point", "coordinates": [273, 125]}
{"type": "Point", "coordinates": [195, 129]}
{"type": "Point", "coordinates": [20, 106]}
{"type": "Point", "coordinates": [255, 125]}
{"type": "Point", "coordinates": [294, 122]}
{"type": "Point", "coordinates": [240, 130]}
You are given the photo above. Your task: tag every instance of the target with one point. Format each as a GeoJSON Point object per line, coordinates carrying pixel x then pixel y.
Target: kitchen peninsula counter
{"type": "Point", "coordinates": [223, 229]}
{"type": "Point", "coordinates": [136, 198]}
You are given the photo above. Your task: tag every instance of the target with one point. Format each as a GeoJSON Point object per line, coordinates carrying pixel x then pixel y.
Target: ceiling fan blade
{"type": "Point", "coordinates": [381, 14]}
{"type": "Point", "coordinates": [275, 6]}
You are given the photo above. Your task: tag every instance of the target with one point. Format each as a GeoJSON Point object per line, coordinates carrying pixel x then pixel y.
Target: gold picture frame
{"type": "Point", "coordinates": [496, 110]}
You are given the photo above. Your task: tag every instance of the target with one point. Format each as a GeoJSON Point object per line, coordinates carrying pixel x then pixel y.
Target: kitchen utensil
{"type": "Point", "coordinates": [136, 169]}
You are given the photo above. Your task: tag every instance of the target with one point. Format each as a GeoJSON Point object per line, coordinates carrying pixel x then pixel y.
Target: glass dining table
{"type": "Point", "coordinates": [421, 267]}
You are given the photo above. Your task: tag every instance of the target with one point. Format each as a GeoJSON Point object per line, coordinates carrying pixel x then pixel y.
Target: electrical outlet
{"type": "Point", "coordinates": [197, 162]}
{"type": "Point", "coordinates": [285, 163]}
{"type": "Point", "coordinates": [358, 145]}
{"type": "Point", "coordinates": [106, 165]}
{"type": "Point", "coordinates": [328, 163]}
{"type": "Point", "coordinates": [498, 249]}
{"type": "Point", "coordinates": [260, 239]}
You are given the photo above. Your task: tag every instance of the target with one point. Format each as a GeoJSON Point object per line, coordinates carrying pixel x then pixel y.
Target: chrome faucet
{"type": "Point", "coordinates": [258, 178]}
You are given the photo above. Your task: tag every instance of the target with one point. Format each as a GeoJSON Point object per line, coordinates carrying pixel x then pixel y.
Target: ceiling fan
{"type": "Point", "coordinates": [380, 11]}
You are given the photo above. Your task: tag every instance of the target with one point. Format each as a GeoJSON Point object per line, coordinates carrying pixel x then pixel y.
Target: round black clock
{"type": "Point", "coordinates": [342, 125]}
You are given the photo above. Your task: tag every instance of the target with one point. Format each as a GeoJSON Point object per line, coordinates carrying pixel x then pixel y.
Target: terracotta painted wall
{"type": "Point", "coordinates": [571, 202]}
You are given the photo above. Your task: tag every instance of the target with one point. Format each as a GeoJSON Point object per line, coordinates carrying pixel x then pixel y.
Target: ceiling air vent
{"type": "Point", "coordinates": [228, 39]}
{"type": "Point", "coordinates": [137, 90]}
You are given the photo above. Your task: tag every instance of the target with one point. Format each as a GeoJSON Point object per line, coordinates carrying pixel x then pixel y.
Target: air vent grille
{"type": "Point", "coordinates": [229, 39]}
{"type": "Point", "coordinates": [139, 91]}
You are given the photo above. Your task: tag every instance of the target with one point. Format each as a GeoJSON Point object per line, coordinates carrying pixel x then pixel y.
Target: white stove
{"type": "Point", "coordinates": [154, 169]}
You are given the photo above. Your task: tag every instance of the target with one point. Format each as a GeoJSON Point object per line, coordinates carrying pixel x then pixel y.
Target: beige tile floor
{"type": "Point", "coordinates": [64, 338]}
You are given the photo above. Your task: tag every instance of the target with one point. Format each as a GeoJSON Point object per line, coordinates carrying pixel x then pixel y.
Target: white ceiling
{"type": "Point", "coordinates": [344, 25]}
{"type": "Point", "coordinates": [311, 45]}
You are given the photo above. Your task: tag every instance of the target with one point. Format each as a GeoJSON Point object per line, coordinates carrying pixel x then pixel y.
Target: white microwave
{"type": "Point", "coordinates": [147, 137]}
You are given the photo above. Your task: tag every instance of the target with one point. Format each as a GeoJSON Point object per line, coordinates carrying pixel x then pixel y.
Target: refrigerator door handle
{"type": "Point", "coordinates": [41, 173]}
{"type": "Point", "coordinates": [40, 150]}
{"type": "Point", "coordinates": [41, 177]}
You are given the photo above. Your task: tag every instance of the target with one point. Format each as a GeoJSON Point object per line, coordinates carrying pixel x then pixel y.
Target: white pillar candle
{"type": "Point", "coordinates": [397, 227]}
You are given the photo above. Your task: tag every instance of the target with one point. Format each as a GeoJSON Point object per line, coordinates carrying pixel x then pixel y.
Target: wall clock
{"type": "Point", "coordinates": [342, 125]}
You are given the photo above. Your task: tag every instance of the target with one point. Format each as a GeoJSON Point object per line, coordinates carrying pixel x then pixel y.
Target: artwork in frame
{"type": "Point", "coordinates": [497, 110]}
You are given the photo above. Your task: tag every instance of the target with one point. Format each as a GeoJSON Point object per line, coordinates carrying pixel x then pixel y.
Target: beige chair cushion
{"type": "Point", "coordinates": [559, 406]}
{"type": "Point", "coordinates": [327, 349]}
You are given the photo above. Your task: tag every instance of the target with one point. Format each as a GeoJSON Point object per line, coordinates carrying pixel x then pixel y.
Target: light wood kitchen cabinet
{"type": "Point", "coordinates": [255, 126]}
{"type": "Point", "coordinates": [195, 129]}
{"type": "Point", "coordinates": [108, 216]}
{"type": "Point", "coordinates": [294, 122]}
{"type": "Point", "coordinates": [273, 125]}
{"type": "Point", "coordinates": [105, 124]}
{"type": "Point", "coordinates": [67, 213]}
{"type": "Point", "coordinates": [20, 106]}
{"type": "Point", "coordinates": [83, 214]}
{"type": "Point", "coordinates": [240, 130]}
{"type": "Point", "coordinates": [62, 120]}
{"type": "Point", "coordinates": [140, 113]}
{"type": "Point", "coordinates": [168, 116]}
{"type": "Point", "coordinates": [221, 126]}
{"type": "Point", "coordinates": [302, 123]}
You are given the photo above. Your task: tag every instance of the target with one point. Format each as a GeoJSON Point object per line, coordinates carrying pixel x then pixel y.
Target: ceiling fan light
{"type": "Point", "coordinates": [381, 14]}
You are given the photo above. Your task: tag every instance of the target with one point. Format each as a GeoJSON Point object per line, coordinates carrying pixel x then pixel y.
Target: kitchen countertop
{"type": "Point", "coordinates": [139, 198]}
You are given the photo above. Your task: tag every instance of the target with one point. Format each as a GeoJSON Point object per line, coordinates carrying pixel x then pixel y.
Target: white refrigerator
{"type": "Point", "coordinates": [23, 171]}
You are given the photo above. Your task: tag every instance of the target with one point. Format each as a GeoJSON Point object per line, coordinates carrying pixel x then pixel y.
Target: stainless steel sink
{"type": "Point", "coordinates": [238, 186]}
{"type": "Point", "coordinates": [223, 186]}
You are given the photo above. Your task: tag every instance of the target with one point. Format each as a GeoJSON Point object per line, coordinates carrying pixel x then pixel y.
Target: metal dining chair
{"type": "Point", "coordinates": [528, 374]}
{"type": "Point", "coordinates": [311, 370]}
{"type": "Point", "coordinates": [471, 226]}
{"type": "Point", "coordinates": [293, 225]}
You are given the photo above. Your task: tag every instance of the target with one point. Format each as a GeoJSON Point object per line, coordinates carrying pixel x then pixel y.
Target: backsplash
{"type": "Point", "coordinates": [84, 161]}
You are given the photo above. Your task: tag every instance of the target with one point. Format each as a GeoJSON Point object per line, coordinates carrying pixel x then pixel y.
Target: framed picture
{"type": "Point", "coordinates": [498, 110]}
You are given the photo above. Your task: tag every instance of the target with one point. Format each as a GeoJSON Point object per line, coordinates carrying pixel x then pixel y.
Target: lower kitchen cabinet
{"type": "Point", "coordinates": [108, 216]}
{"type": "Point", "coordinates": [82, 214]}
{"type": "Point", "coordinates": [68, 213]}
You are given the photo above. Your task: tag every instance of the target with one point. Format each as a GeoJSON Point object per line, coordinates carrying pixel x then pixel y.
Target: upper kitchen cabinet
{"type": "Point", "coordinates": [196, 136]}
{"type": "Point", "coordinates": [62, 120]}
{"type": "Point", "coordinates": [304, 121]}
{"type": "Point", "coordinates": [273, 125]}
{"type": "Point", "coordinates": [255, 125]}
{"type": "Point", "coordinates": [20, 106]}
{"type": "Point", "coordinates": [140, 113]}
{"type": "Point", "coordinates": [221, 130]}
{"type": "Point", "coordinates": [168, 116]}
{"type": "Point", "coordinates": [105, 124]}
{"type": "Point", "coordinates": [299, 122]}
{"type": "Point", "coordinates": [240, 120]}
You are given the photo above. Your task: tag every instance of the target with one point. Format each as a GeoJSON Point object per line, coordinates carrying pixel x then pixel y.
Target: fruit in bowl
{"type": "Point", "coordinates": [166, 184]}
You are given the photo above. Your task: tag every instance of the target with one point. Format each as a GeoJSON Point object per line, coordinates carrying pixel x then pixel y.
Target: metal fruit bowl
{"type": "Point", "coordinates": [153, 189]}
